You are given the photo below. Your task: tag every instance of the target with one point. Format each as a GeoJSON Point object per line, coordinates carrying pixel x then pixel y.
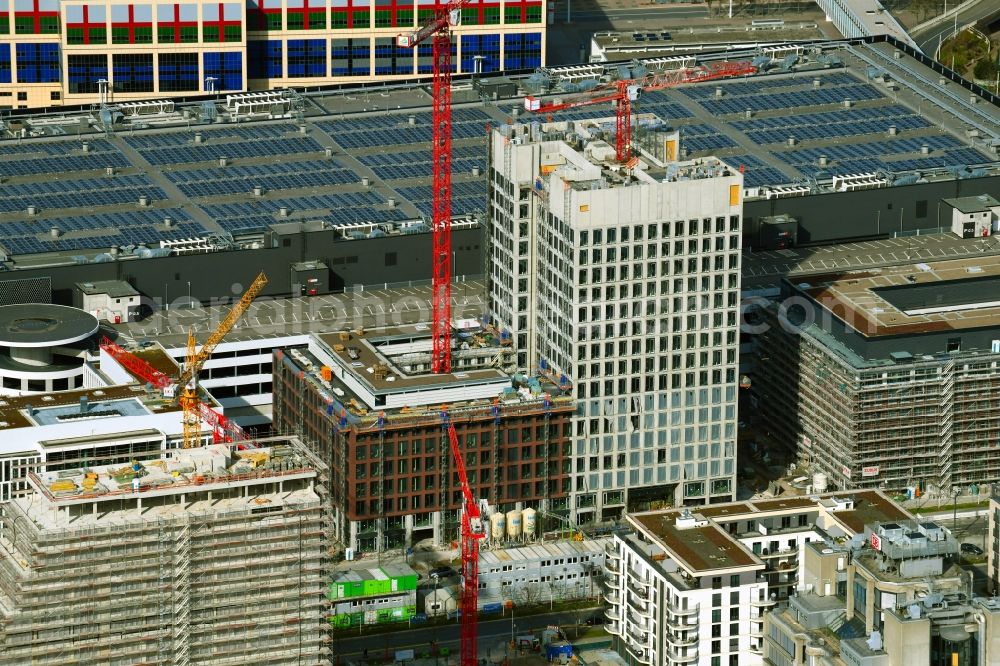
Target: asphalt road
{"type": "Point", "coordinates": [491, 634]}
{"type": "Point", "coordinates": [929, 38]}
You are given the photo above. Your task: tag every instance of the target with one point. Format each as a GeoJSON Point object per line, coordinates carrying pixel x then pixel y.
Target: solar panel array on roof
{"type": "Point", "coordinates": [101, 191]}
{"type": "Point", "coordinates": [877, 155]}
{"type": "Point", "coordinates": [235, 148]}
{"type": "Point", "coordinates": [788, 100]}
{"type": "Point", "coordinates": [130, 228]}
{"type": "Point", "coordinates": [285, 175]}
{"type": "Point", "coordinates": [756, 172]}
{"type": "Point", "coordinates": [24, 165]}
{"type": "Point", "coordinates": [466, 197]}
{"type": "Point", "coordinates": [395, 129]}
{"type": "Point", "coordinates": [340, 209]}
{"type": "Point", "coordinates": [794, 98]}
{"type": "Point", "coordinates": [704, 137]}
{"type": "Point", "coordinates": [172, 139]}
{"type": "Point", "coordinates": [831, 124]}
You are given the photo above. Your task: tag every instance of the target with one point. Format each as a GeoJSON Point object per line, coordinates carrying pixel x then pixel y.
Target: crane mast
{"type": "Point", "coordinates": [190, 402]}
{"type": "Point", "coordinates": [438, 30]}
{"type": "Point", "coordinates": [471, 532]}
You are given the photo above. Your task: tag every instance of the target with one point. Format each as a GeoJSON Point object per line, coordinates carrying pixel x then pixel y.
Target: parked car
{"type": "Point", "coordinates": [971, 549]}
{"type": "Point", "coordinates": [442, 572]}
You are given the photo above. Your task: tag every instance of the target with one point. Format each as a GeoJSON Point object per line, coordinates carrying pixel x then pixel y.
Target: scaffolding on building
{"type": "Point", "coordinates": [223, 574]}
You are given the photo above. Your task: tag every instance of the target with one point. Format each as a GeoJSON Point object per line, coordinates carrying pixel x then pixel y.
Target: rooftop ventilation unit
{"type": "Point", "coordinates": [274, 104]}
{"type": "Point", "coordinates": [860, 181]}
{"type": "Point", "coordinates": [155, 106]}
{"type": "Point", "coordinates": [784, 192]}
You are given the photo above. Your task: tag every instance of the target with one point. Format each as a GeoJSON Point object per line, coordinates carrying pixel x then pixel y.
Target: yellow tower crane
{"type": "Point", "coordinates": [188, 380]}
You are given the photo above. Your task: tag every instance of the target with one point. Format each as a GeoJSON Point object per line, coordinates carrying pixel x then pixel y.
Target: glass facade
{"type": "Point", "coordinates": [84, 71]}
{"type": "Point", "coordinates": [351, 57]}
{"type": "Point", "coordinates": [121, 43]}
{"type": "Point", "coordinates": [178, 72]}
{"type": "Point", "coordinates": [37, 63]}
{"type": "Point", "coordinates": [177, 23]}
{"type": "Point", "coordinates": [226, 69]}
{"type": "Point", "coordinates": [5, 63]}
{"type": "Point", "coordinates": [132, 24]}
{"type": "Point", "coordinates": [306, 57]}
{"type": "Point", "coordinates": [392, 59]}
{"type": "Point", "coordinates": [264, 59]}
{"type": "Point", "coordinates": [86, 24]}
{"type": "Point", "coordinates": [221, 23]}
{"type": "Point", "coordinates": [132, 72]}
{"type": "Point", "coordinates": [306, 15]}
{"type": "Point", "coordinates": [522, 50]}
{"type": "Point", "coordinates": [36, 17]}
{"type": "Point", "coordinates": [487, 46]}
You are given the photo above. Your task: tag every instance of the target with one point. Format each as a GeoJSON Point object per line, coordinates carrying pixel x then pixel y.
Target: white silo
{"type": "Point", "coordinates": [497, 525]}
{"type": "Point", "coordinates": [529, 517]}
{"type": "Point", "coordinates": [819, 482]}
{"type": "Point", "coordinates": [513, 523]}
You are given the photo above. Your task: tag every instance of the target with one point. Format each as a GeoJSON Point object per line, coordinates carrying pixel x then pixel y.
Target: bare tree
{"type": "Point", "coordinates": [529, 594]}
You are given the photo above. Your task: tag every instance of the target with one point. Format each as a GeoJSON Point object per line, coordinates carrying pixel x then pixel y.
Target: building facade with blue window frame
{"type": "Point", "coordinates": [55, 52]}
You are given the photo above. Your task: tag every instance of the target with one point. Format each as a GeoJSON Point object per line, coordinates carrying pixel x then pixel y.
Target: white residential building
{"type": "Point", "coordinates": [625, 279]}
{"type": "Point", "coordinates": [693, 587]}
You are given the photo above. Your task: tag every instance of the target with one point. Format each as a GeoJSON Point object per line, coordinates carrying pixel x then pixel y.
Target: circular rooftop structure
{"type": "Point", "coordinates": [42, 347]}
{"type": "Point", "coordinates": [44, 325]}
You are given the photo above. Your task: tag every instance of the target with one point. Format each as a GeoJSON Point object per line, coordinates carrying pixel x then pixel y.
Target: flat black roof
{"type": "Point", "coordinates": [44, 324]}
{"type": "Point", "coordinates": [953, 293]}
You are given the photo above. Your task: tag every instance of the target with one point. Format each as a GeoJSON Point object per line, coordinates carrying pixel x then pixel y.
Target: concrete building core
{"type": "Point", "coordinates": [367, 402]}
{"type": "Point", "coordinates": [141, 560]}
{"type": "Point", "coordinates": [626, 279]}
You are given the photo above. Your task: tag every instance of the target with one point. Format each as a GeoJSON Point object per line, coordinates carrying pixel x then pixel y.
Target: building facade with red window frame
{"type": "Point", "coordinates": [115, 51]}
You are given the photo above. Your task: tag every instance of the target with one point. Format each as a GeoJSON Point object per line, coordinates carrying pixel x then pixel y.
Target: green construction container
{"type": "Point", "coordinates": [377, 584]}
{"type": "Point", "coordinates": [390, 579]}
{"type": "Point", "coordinates": [402, 578]}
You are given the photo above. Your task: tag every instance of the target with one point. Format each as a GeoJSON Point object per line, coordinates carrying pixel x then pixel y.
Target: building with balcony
{"type": "Point", "coordinates": [892, 595]}
{"type": "Point", "coordinates": [993, 544]}
{"type": "Point", "coordinates": [55, 52]}
{"type": "Point", "coordinates": [694, 586]}
{"type": "Point", "coordinates": [882, 378]}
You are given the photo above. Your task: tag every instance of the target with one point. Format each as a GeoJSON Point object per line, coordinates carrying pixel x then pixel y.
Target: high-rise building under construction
{"type": "Point", "coordinates": [625, 278]}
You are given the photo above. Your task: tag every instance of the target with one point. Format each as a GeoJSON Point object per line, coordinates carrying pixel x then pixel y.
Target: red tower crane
{"type": "Point", "coordinates": [471, 532]}
{"type": "Point", "coordinates": [626, 91]}
{"type": "Point", "coordinates": [438, 30]}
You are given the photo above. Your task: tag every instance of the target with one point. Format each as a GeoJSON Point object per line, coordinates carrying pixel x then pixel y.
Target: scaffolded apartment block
{"type": "Point", "coordinates": [206, 556]}
{"type": "Point", "coordinates": [890, 379]}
